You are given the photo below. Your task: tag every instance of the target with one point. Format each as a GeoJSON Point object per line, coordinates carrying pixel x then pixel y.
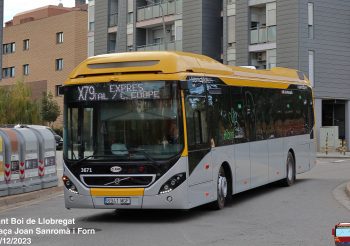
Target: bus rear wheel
{"type": "Point", "coordinates": [290, 171]}
{"type": "Point", "coordinates": [222, 188]}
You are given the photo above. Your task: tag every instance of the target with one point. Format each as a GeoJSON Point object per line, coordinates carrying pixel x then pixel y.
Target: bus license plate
{"type": "Point", "coordinates": [117, 201]}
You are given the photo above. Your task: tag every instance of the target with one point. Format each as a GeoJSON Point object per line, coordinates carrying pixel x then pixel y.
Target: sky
{"type": "Point", "coordinates": [12, 7]}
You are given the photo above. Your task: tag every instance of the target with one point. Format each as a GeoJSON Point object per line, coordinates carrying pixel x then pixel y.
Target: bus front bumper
{"type": "Point", "coordinates": [100, 198]}
{"type": "Point", "coordinates": [137, 198]}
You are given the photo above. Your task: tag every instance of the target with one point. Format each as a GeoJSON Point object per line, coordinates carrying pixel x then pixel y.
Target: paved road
{"type": "Point", "coordinates": [300, 215]}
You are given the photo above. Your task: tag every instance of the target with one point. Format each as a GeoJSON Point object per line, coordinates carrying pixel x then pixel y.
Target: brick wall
{"type": "Point", "coordinates": [43, 50]}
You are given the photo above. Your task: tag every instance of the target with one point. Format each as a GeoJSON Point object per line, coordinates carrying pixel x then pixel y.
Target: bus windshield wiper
{"type": "Point", "coordinates": [88, 157]}
{"type": "Point", "coordinates": [137, 151]}
{"type": "Point", "coordinates": [144, 153]}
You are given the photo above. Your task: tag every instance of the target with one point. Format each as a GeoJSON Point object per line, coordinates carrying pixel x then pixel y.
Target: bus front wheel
{"type": "Point", "coordinates": [290, 168]}
{"type": "Point", "coordinates": [222, 188]}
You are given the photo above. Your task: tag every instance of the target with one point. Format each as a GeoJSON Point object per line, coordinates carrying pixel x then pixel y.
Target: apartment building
{"type": "Point", "coordinates": [42, 46]}
{"type": "Point", "coordinates": [1, 30]}
{"type": "Point", "coordinates": [307, 35]}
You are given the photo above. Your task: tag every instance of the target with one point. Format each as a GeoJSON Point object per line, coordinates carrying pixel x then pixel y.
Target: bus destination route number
{"type": "Point", "coordinates": [112, 92]}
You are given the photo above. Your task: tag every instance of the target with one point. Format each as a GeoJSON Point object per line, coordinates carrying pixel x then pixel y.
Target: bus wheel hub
{"type": "Point", "coordinates": [222, 186]}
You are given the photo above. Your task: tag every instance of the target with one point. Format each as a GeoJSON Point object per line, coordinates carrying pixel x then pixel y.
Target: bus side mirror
{"type": "Point", "coordinates": [333, 232]}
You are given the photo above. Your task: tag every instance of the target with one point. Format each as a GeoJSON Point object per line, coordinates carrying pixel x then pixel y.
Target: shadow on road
{"type": "Point", "coordinates": [173, 216]}
{"type": "Point", "coordinates": [261, 191]}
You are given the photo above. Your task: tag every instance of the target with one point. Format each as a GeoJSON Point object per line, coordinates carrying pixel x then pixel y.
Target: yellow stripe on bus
{"type": "Point", "coordinates": [185, 151]}
{"type": "Point", "coordinates": [256, 83]}
{"type": "Point", "coordinates": [117, 191]}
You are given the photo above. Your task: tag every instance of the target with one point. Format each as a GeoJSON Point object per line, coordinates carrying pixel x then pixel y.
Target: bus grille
{"type": "Point", "coordinates": [117, 180]}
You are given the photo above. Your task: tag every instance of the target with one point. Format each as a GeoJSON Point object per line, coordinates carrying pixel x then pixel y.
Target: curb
{"type": "Point", "coordinates": [333, 156]}
{"type": "Point", "coordinates": [8, 201]}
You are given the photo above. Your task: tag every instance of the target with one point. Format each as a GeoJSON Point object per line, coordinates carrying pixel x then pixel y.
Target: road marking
{"type": "Point", "coordinates": [338, 161]}
{"type": "Point", "coordinates": [341, 196]}
{"type": "Point", "coordinates": [321, 162]}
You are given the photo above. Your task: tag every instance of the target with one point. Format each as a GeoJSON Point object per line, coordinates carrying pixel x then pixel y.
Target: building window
{"type": "Point", "coordinates": [26, 69]}
{"type": "Point", "coordinates": [9, 48]}
{"type": "Point", "coordinates": [91, 44]}
{"type": "Point", "coordinates": [130, 40]}
{"type": "Point", "coordinates": [59, 64]}
{"type": "Point", "coordinates": [231, 27]}
{"type": "Point", "coordinates": [157, 35]}
{"type": "Point", "coordinates": [91, 26]}
{"type": "Point", "coordinates": [311, 20]}
{"type": "Point", "coordinates": [59, 37]}
{"type": "Point", "coordinates": [59, 90]}
{"type": "Point", "coordinates": [113, 13]}
{"type": "Point", "coordinates": [91, 17]}
{"type": "Point", "coordinates": [130, 18]}
{"type": "Point", "coordinates": [112, 42]}
{"type": "Point", "coordinates": [26, 44]}
{"type": "Point", "coordinates": [130, 5]}
{"type": "Point", "coordinates": [271, 58]}
{"type": "Point", "coordinates": [312, 67]}
{"type": "Point", "coordinates": [8, 72]}
{"type": "Point", "coordinates": [258, 59]}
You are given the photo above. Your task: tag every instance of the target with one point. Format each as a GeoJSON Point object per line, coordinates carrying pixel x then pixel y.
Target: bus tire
{"type": "Point", "coordinates": [289, 180]}
{"type": "Point", "coordinates": [222, 188]}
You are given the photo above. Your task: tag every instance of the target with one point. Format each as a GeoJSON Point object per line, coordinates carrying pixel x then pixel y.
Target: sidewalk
{"type": "Point", "coordinates": [7, 202]}
{"type": "Point", "coordinates": [332, 155]}
{"type": "Point", "coordinates": [340, 156]}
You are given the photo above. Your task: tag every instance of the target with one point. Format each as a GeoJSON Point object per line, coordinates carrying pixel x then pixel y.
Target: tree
{"type": "Point", "coordinates": [4, 97]}
{"type": "Point", "coordinates": [17, 106]}
{"type": "Point", "coordinates": [49, 108]}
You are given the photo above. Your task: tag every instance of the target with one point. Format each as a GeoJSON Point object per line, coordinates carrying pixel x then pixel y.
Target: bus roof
{"type": "Point", "coordinates": [166, 62]}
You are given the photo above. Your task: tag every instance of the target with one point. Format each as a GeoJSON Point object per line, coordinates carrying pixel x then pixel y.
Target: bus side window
{"type": "Point", "coordinates": [310, 118]}
{"type": "Point", "coordinates": [222, 117]}
{"type": "Point", "coordinates": [197, 127]}
{"type": "Point", "coordinates": [250, 114]}
{"type": "Point", "coordinates": [260, 123]}
{"type": "Point", "coordinates": [237, 115]}
{"type": "Point", "coordinates": [270, 113]}
{"type": "Point", "coordinates": [277, 113]}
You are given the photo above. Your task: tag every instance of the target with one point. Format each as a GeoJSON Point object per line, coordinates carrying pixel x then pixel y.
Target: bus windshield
{"type": "Point", "coordinates": [123, 121]}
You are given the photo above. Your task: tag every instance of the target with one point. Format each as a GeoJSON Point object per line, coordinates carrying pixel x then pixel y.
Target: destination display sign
{"type": "Point", "coordinates": [117, 91]}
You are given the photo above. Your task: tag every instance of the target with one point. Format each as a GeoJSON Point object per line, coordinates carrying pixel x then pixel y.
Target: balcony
{"type": "Point", "coordinates": [174, 45]}
{"type": "Point", "coordinates": [154, 10]}
{"type": "Point", "coordinates": [263, 35]}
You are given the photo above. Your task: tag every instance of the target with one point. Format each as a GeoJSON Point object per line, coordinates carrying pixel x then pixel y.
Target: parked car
{"type": "Point", "coordinates": [58, 138]}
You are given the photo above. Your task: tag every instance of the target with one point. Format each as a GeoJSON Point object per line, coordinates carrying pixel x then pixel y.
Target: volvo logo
{"type": "Point", "coordinates": [117, 181]}
{"type": "Point", "coordinates": [116, 169]}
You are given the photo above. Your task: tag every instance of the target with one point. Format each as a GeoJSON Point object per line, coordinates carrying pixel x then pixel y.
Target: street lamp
{"type": "Point", "coordinates": [164, 31]}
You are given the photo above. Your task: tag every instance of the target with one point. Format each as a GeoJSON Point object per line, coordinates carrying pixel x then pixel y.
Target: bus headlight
{"type": "Point", "coordinates": [172, 183]}
{"type": "Point", "coordinates": [69, 185]}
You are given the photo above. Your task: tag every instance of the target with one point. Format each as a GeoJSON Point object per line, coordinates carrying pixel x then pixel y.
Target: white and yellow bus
{"type": "Point", "coordinates": [174, 130]}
